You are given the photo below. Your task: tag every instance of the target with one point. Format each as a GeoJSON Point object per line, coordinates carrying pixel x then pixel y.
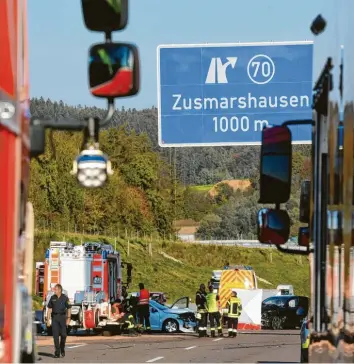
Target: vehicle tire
{"type": "Point", "coordinates": [304, 356]}
{"type": "Point", "coordinates": [170, 326]}
{"type": "Point", "coordinates": [106, 332]}
{"type": "Point", "coordinates": [68, 330]}
{"type": "Point", "coordinates": [97, 318]}
{"type": "Point", "coordinates": [49, 331]}
{"type": "Point", "coordinates": [276, 323]}
{"type": "Point", "coordinates": [29, 358]}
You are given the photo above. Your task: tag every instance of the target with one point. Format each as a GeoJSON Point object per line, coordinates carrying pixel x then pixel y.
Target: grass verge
{"type": "Point", "coordinates": [202, 188]}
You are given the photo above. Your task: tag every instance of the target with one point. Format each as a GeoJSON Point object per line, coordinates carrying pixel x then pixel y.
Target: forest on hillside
{"type": "Point", "coordinates": [152, 186]}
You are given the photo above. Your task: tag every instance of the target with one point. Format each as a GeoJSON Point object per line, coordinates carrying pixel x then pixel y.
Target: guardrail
{"type": "Point", "coordinates": [255, 244]}
{"type": "Point", "coordinates": [241, 243]}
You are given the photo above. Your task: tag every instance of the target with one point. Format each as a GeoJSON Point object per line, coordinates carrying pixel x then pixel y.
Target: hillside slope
{"type": "Point", "coordinates": [179, 268]}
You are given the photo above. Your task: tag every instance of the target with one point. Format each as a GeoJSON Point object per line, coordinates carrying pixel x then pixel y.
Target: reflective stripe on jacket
{"type": "Point", "coordinates": [144, 297]}
{"type": "Point", "coordinates": [235, 307]}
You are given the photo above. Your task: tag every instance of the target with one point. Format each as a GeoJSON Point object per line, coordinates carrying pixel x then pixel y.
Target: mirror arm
{"type": "Point", "coordinates": [72, 124]}
{"type": "Point", "coordinates": [64, 124]}
{"type": "Point", "coordinates": [109, 114]}
{"type": "Point", "coordinates": [108, 36]}
{"type": "Point", "coordinates": [298, 122]}
{"type": "Point", "coordinates": [293, 251]}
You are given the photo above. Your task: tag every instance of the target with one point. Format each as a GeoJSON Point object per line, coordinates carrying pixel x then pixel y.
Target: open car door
{"type": "Point", "coordinates": [181, 303]}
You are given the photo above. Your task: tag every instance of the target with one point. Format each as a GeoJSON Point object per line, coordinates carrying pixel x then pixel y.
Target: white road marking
{"type": "Point", "coordinates": [190, 348]}
{"type": "Point", "coordinates": [220, 338]}
{"type": "Point", "coordinates": [155, 359]}
{"type": "Point", "coordinates": [75, 346]}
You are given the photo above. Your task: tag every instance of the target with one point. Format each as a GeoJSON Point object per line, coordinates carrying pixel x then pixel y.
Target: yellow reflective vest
{"type": "Point", "coordinates": [212, 302]}
{"type": "Point", "coordinates": [235, 307]}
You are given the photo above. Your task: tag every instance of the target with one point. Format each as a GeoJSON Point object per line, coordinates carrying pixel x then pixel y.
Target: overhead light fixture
{"type": "Point", "coordinates": [92, 168]}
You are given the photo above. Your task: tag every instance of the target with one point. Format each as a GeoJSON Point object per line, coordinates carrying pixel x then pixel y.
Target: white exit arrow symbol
{"type": "Point", "coordinates": [221, 68]}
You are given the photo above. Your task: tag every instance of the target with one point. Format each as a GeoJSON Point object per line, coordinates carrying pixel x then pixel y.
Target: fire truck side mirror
{"type": "Point", "coordinates": [305, 202]}
{"type": "Point", "coordinates": [37, 139]}
{"type": "Point", "coordinates": [275, 166]}
{"type": "Point", "coordinates": [304, 236]}
{"type": "Point", "coordinates": [114, 70]}
{"type": "Point", "coordinates": [105, 16]}
{"type": "Point", "coordinates": [273, 226]}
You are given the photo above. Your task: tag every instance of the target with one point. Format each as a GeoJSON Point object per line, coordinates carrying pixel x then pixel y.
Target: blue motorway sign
{"type": "Point", "coordinates": [225, 94]}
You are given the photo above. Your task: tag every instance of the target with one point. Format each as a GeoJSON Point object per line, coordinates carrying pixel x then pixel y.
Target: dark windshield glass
{"type": "Point", "coordinates": [278, 301]}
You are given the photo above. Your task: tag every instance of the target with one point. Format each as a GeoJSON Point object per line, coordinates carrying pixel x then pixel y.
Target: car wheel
{"type": "Point", "coordinates": [276, 323]}
{"type": "Point", "coordinates": [304, 357]}
{"type": "Point", "coordinates": [29, 358]}
{"type": "Point", "coordinates": [170, 326]}
{"type": "Point", "coordinates": [49, 331]}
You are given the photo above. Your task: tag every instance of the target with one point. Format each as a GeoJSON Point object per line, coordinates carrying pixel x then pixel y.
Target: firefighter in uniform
{"type": "Point", "coordinates": [234, 311]}
{"type": "Point", "coordinates": [121, 312]}
{"type": "Point", "coordinates": [213, 312]}
{"type": "Point", "coordinates": [202, 312]}
{"type": "Point", "coordinates": [59, 313]}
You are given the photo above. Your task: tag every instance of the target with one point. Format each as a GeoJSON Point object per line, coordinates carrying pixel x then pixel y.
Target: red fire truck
{"type": "Point", "coordinates": [16, 224]}
{"type": "Point", "coordinates": [92, 277]}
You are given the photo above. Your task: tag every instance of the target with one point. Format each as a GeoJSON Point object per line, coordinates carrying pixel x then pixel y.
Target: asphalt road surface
{"type": "Point", "coordinates": [248, 347]}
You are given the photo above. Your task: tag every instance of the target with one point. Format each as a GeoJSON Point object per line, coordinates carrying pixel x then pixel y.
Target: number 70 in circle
{"type": "Point", "coordinates": [261, 65]}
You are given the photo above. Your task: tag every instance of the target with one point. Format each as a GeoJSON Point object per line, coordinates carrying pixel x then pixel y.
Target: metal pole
{"type": "Point", "coordinates": [319, 224]}
{"type": "Point", "coordinates": [316, 225]}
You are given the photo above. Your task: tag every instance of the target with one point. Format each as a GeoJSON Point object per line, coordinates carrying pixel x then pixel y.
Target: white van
{"type": "Point", "coordinates": [285, 290]}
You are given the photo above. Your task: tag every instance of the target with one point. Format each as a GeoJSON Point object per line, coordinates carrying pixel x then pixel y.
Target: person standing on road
{"type": "Point", "coordinates": [234, 311]}
{"type": "Point", "coordinates": [59, 314]}
{"type": "Point", "coordinates": [144, 307]}
{"type": "Point", "coordinates": [202, 311]}
{"type": "Point", "coordinates": [213, 312]}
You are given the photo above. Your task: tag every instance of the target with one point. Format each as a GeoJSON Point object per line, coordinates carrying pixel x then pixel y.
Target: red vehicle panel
{"type": "Point", "coordinates": [14, 155]}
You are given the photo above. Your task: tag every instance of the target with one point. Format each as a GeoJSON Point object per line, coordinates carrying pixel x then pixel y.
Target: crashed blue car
{"type": "Point", "coordinates": [172, 319]}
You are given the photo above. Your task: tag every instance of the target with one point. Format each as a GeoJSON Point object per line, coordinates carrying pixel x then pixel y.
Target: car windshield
{"type": "Point", "coordinates": [158, 305]}
{"type": "Point", "coordinates": [278, 301]}
{"type": "Point", "coordinates": [157, 296]}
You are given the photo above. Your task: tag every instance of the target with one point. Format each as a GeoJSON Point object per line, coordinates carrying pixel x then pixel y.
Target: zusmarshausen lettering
{"type": "Point", "coordinates": [244, 102]}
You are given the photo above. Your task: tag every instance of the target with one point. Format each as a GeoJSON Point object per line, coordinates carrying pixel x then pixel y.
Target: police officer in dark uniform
{"type": "Point", "coordinates": [59, 313]}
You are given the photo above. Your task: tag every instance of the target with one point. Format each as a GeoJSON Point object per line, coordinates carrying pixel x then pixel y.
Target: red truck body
{"type": "Point", "coordinates": [14, 166]}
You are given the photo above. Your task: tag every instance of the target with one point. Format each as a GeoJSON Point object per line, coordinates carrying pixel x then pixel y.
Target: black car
{"type": "Point", "coordinates": [279, 312]}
